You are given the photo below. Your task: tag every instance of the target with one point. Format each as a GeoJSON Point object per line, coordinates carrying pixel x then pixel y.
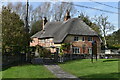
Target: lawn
{"type": "Point", "coordinates": [27, 71]}
{"type": "Point", "coordinates": [103, 68]}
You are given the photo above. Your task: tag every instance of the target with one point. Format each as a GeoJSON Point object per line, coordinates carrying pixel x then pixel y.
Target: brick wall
{"type": "Point", "coordinates": [69, 39]}
{"type": "Point", "coordinates": [44, 43]}
{"type": "Point", "coordinates": [80, 43]}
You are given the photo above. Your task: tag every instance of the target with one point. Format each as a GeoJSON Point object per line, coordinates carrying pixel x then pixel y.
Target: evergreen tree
{"type": "Point", "coordinates": [13, 32]}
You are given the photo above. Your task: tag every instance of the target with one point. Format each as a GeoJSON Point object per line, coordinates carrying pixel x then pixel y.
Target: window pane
{"type": "Point", "coordinates": [89, 38]}
{"type": "Point", "coordinates": [75, 38]}
{"type": "Point", "coordinates": [83, 38]}
{"type": "Point", "coordinates": [76, 50]}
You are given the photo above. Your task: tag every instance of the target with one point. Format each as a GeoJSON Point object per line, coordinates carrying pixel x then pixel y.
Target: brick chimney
{"type": "Point", "coordinates": [44, 22]}
{"type": "Point", "coordinates": [67, 16]}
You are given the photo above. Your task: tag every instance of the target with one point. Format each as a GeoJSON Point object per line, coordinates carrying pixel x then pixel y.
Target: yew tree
{"type": "Point", "coordinates": [13, 32]}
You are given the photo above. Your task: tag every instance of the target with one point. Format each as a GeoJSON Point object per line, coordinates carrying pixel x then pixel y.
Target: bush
{"type": "Point", "coordinates": [43, 52]}
{"type": "Point", "coordinates": [114, 46]}
{"type": "Point", "coordinates": [61, 54]}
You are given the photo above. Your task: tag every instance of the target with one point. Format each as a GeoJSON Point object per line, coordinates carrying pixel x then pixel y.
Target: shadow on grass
{"type": "Point", "coordinates": [111, 60]}
{"type": "Point", "coordinates": [14, 64]}
{"type": "Point", "coordinates": [70, 61]}
{"type": "Point", "coordinates": [111, 76]}
{"type": "Point", "coordinates": [30, 79]}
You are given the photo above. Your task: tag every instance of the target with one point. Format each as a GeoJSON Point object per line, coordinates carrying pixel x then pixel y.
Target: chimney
{"type": "Point", "coordinates": [67, 16]}
{"type": "Point", "coordinates": [44, 22]}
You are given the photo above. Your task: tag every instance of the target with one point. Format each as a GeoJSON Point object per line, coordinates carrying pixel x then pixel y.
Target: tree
{"type": "Point", "coordinates": [43, 10]}
{"type": "Point", "coordinates": [59, 10]}
{"type": "Point", "coordinates": [0, 31]}
{"type": "Point", "coordinates": [12, 29]}
{"type": "Point", "coordinates": [104, 25]}
{"type": "Point", "coordinates": [36, 26]}
{"type": "Point", "coordinates": [113, 39]}
{"type": "Point", "coordinates": [19, 8]}
{"type": "Point", "coordinates": [54, 12]}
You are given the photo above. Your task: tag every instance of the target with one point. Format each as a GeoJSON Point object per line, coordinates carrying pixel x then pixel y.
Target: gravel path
{"type": "Point", "coordinates": [59, 73]}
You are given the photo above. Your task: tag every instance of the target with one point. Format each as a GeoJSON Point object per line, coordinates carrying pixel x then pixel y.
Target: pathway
{"type": "Point", "coordinates": [59, 73]}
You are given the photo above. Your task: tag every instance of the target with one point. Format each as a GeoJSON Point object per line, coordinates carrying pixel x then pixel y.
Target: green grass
{"type": "Point", "coordinates": [103, 68]}
{"type": "Point", "coordinates": [27, 71]}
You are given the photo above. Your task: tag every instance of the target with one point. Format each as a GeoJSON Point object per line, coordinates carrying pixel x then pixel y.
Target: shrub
{"type": "Point", "coordinates": [43, 52]}
{"type": "Point", "coordinates": [117, 46]}
{"type": "Point", "coordinates": [61, 53]}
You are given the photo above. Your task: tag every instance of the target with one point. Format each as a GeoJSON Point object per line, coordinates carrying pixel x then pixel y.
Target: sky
{"type": "Point", "coordinates": [112, 18]}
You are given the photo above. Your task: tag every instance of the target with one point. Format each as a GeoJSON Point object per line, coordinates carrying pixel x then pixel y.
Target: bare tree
{"type": "Point", "coordinates": [59, 10]}
{"type": "Point", "coordinates": [41, 11]}
{"type": "Point", "coordinates": [104, 25]}
{"type": "Point", "coordinates": [19, 8]}
{"type": "Point", "coordinates": [54, 12]}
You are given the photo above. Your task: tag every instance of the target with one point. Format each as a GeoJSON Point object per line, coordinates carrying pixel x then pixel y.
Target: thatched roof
{"type": "Point", "coordinates": [59, 30]}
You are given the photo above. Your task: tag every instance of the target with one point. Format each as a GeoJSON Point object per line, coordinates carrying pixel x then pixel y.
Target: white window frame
{"type": "Point", "coordinates": [90, 39]}
{"type": "Point", "coordinates": [79, 38]}
{"type": "Point", "coordinates": [75, 50]}
{"type": "Point", "coordinates": [76, 38]}
{"type": "Point", "coordinates": [90, 50]}
{"type": "Point", "coordinates": [42, 40]}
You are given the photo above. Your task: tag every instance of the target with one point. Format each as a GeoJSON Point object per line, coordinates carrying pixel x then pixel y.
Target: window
{"type": "Point", "coordinates": [42, 40]}
{"type": "Point", "coordinates": [76, 38]}
{"type": "Point", "coordinates": [47, 40]}
{"type": "Point", "coordinates": [83, 38]}
{"type": "Point", "coordinates": [58, 49]}
{"type": "Point", "coordinates": [90, 50]}
{"type": "Point", "coordinates": [76, 50]}
{"type": "Point", "coordinates": [89, 38]}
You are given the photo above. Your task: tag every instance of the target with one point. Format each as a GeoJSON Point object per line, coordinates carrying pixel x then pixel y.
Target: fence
{"type": "Point", "coordinates": [10, 60]}
{"type": "Point", "coordinates": [13, 56]}
{"type": "Point", "coordinates": [18, 57]}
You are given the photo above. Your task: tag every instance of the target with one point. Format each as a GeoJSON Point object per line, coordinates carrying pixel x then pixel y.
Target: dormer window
{"type": "Point", "coordinates": [89, 38]}
{"type": "Point", "coordinates": [76, 38]}
{"type": "Point", "coordinates": [79, 38]}
{"type": "Point", "coordinates": [42, 40]}
{"type": "Point", "coordinates": [83, 38]}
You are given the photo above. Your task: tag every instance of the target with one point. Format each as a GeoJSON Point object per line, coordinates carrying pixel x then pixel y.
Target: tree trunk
{"type": "Point", "coordinates": [105, 43]}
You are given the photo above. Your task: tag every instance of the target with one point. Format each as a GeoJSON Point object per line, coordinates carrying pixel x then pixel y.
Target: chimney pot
{"type": "Point", "coordinates": [67, 15]}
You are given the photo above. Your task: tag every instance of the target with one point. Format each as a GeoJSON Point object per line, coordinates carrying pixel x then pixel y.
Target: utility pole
{"type": "Point", "coordinates": [27, 33]}
{"type": "Point", "coordinates": [26, 18]}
